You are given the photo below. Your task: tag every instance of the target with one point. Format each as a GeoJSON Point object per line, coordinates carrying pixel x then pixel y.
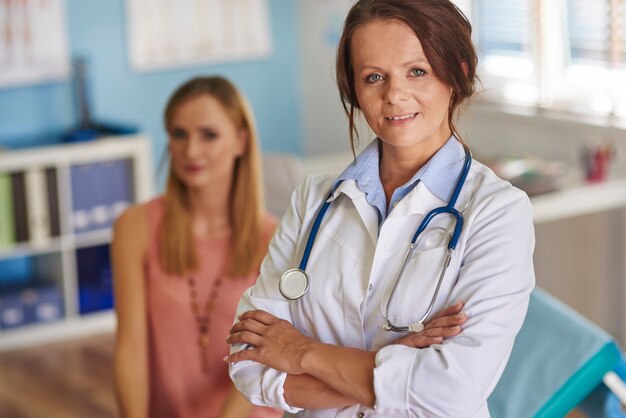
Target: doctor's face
{"type": "Point", "coordinates": [403, 102]}
{"type": "Point", "coordinates": [204, 142]}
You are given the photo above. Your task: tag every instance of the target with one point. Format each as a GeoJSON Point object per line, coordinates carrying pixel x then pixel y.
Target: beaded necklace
{"type": "Point", "coordinates": [203, 319]}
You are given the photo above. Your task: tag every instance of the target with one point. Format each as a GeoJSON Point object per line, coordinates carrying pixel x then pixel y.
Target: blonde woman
{"type": "Point", "coordinates": [182, 260]}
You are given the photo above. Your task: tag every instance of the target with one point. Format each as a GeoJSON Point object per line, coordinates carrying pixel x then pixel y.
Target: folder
{"type": "Point", "coordinates": [20, 210]}
{"type": "Point", "coordinates": [7, 225]}
{"type": "Point", "coordinates": [37, 207]}
{"type": "Point", "coordinates": [53, 201]}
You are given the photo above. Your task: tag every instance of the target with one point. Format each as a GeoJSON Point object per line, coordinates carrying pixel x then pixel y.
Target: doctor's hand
{"type": "Point", "coordinates": [273, 342]}
{"type": "Point", "coordinates": [445, 324]}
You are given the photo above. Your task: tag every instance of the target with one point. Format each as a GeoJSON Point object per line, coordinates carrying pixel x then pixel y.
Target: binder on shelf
{"type": "Point", "coordinates": [53, 201]}
{"type": "Point", "coordinates": [7, 225]}
{"type": "Point", "coordinates": [85, 188]}
{"type": "Point", "coordinates": [37, 207]}
{"type": "Point", "coordinates": [37, 302]}
{"type": "Point", "coordinates": [100, 192]}
{"type": "Point", "coordinates": [95, 280]}
{"type": "Point", "coordinates": [20, 210]}
{"type": "Point", "coordinates": [118, 190]}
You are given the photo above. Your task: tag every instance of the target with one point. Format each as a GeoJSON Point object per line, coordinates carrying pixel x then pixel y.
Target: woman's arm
{"type": "Point", "coordinates": [130, 238]}
{"type": "Point", "coordinates": [235, 405]}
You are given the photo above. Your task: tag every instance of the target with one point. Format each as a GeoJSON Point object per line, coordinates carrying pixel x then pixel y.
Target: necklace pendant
{"type": "Point", "coordinates": [204, 341]}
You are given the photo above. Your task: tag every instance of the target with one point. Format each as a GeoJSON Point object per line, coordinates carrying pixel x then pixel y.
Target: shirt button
{"type": "Point", "coordinates": [371, 287]}
{"type": "Point", "coordinates": [361, 415]}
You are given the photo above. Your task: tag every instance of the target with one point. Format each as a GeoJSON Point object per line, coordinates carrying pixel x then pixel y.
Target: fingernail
{"type": "Point", "coordinates": [461, 315]}
{"type": "Point", "coordinates": [456, 328]}
{"type": "Point", "coordinates": [225, 357]}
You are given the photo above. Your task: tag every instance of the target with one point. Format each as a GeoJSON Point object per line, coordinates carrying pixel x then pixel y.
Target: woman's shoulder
{"type": "Point", "coordinates": [136, 221]}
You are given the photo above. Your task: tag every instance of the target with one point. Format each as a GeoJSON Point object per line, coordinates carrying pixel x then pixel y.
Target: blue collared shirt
{"type": "Point", "coordinates": [439, 175]}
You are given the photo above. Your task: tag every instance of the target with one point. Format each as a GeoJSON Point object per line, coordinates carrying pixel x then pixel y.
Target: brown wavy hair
{"type": "Point", "coordinates": [176, 249]}
{"type": "Point", "coordinates": [446, 37]}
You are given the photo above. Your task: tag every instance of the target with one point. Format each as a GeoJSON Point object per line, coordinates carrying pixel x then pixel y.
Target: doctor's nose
{"type": "Point", "coordinates": [396, 91]}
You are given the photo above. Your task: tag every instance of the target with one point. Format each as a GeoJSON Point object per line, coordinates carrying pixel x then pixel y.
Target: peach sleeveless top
{"type": "Point", "coordinates": [178, 386]}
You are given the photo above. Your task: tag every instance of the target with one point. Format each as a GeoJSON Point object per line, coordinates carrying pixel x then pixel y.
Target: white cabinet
{"type": "Point", "coordinates": [61, 259]}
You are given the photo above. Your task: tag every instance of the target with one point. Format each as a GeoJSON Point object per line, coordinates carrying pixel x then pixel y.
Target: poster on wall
{"type": "Point", "coordinates": [33, 42]}
{"type": "Point", "coordinates": [167, 34]}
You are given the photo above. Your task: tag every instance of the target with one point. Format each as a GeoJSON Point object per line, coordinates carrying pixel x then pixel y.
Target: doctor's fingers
{"type": "Point", "coordinates": [450, 310]}
{"type": "Point", "coordinates": [245, 337]}
{"type": "Point", "coordinates": [444, 332]}
{"type": "Point", "coordinates": [418, 340]}
{"type": "Point", "coordinates": [447, 321]}
{"type": "Point", "coordinates": [249, 325]}
{"type": "Point", "coordinates": [260, 316]}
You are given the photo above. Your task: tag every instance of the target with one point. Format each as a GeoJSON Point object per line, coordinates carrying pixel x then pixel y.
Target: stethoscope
{"type": "Point", "coordinates": [294, 283]}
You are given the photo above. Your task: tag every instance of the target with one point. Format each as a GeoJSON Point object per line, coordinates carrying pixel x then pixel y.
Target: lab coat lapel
{"type": "Point", "coordinates": [366, 211]}
{"type": "Point", "coordinates": [418, 202]}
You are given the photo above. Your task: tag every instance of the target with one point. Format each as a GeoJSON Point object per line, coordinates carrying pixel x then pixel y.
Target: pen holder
{"type": "Point", "coordinates": [596, 161]}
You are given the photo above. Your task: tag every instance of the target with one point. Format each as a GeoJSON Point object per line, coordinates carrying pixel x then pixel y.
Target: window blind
{"type": "Point", "coordinates": [503, 27]}
{"type": "Point", "coordinates": [597, 32]}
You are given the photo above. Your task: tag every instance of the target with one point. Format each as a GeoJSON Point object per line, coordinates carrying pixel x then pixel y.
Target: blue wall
{"type": "Point", "coordinates": [97, 29]}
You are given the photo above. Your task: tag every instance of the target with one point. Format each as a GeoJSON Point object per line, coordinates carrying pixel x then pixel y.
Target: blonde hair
{"type": "Point", "coordinates": [176, 249]}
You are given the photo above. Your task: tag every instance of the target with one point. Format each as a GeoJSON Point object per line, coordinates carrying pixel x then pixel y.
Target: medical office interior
{"type": "Point", "coordinates": [82, 87]}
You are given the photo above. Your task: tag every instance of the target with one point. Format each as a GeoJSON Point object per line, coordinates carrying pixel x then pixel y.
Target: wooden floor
{"type": "Point", "coordinates": [65, 380]}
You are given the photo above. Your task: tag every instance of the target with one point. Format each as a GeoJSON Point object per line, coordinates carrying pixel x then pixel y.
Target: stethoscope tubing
{"type": "Point", "coordinates": [447, 209]}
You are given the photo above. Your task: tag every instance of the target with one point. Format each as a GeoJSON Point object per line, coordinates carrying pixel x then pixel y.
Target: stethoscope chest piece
{"type": "Point", "coordinates": [293, 284]}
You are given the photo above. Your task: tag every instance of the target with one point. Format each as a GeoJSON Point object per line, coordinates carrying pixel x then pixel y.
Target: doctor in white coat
{"type": "Point", "coordinates": [406, 65]}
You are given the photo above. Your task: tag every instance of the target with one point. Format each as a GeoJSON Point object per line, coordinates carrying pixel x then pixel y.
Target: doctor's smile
{"type": "Point", "coordinates": [404, 118]}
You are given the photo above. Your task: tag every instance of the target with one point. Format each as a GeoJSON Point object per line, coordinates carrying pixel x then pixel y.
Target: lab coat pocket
{"type": "Point", "coordinates": [416, 287]}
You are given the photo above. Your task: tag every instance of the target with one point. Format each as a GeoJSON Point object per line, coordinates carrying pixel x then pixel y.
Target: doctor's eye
{"type": "Point", "coordinates": [373, 78]}
{"type": "Point", "coordinates": [432, 238]}
{"type": "Point", "coordinates": [417, 72]}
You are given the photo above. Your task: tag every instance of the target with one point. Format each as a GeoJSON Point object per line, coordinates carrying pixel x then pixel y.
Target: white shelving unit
{"type": "Point", "coordinates": [58, 256]}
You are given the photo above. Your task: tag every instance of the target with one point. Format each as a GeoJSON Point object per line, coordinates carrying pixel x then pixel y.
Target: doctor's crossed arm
{"type": "Point", "coordinates": [279, 345]}
{"type": "Point", "coordinates": [341, 321]}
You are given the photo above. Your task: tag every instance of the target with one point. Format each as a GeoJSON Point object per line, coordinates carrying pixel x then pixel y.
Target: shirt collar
{"type": "Point", "coordinates": [439, 174]}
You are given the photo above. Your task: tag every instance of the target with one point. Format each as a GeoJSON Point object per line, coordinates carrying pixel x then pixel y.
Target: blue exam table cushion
{"type": "Point", "coordinates": [558, 358]}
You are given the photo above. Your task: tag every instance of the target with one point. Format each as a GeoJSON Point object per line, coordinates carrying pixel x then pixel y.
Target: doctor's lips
{"type": "Point", "coordinates": [401, 119]}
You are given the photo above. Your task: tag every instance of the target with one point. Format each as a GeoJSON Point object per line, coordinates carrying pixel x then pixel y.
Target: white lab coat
{"type": "Point", "coordinates": [352, 267]}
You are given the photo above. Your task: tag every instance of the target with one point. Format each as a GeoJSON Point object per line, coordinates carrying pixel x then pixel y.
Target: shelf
{"type": "Point", "coordinates": [579, 200]}
{"type": "Point", "coordinates": [54, 245]}
{"type": "Point", "coordinates": [92, 238]}
{"type": "Point", "coordinates": [58, 244]}
{"type": "Point", "coordinates": [49, 332]}
{"type": "Point", "coordinates": [92, 183]}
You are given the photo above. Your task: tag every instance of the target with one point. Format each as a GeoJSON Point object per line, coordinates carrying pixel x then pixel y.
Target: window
{"type": "Point", "coordinates": [589, 29]}
{"type": "Point", "coordinates": [504, 35]}
{"type": "Point", "coordinates": [563, 54]}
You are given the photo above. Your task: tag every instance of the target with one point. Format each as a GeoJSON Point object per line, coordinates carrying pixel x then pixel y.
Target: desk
{"type": "Point", "coordinates": [579, 200]}
{"type": "Point", "coordinates": [580, 247]}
